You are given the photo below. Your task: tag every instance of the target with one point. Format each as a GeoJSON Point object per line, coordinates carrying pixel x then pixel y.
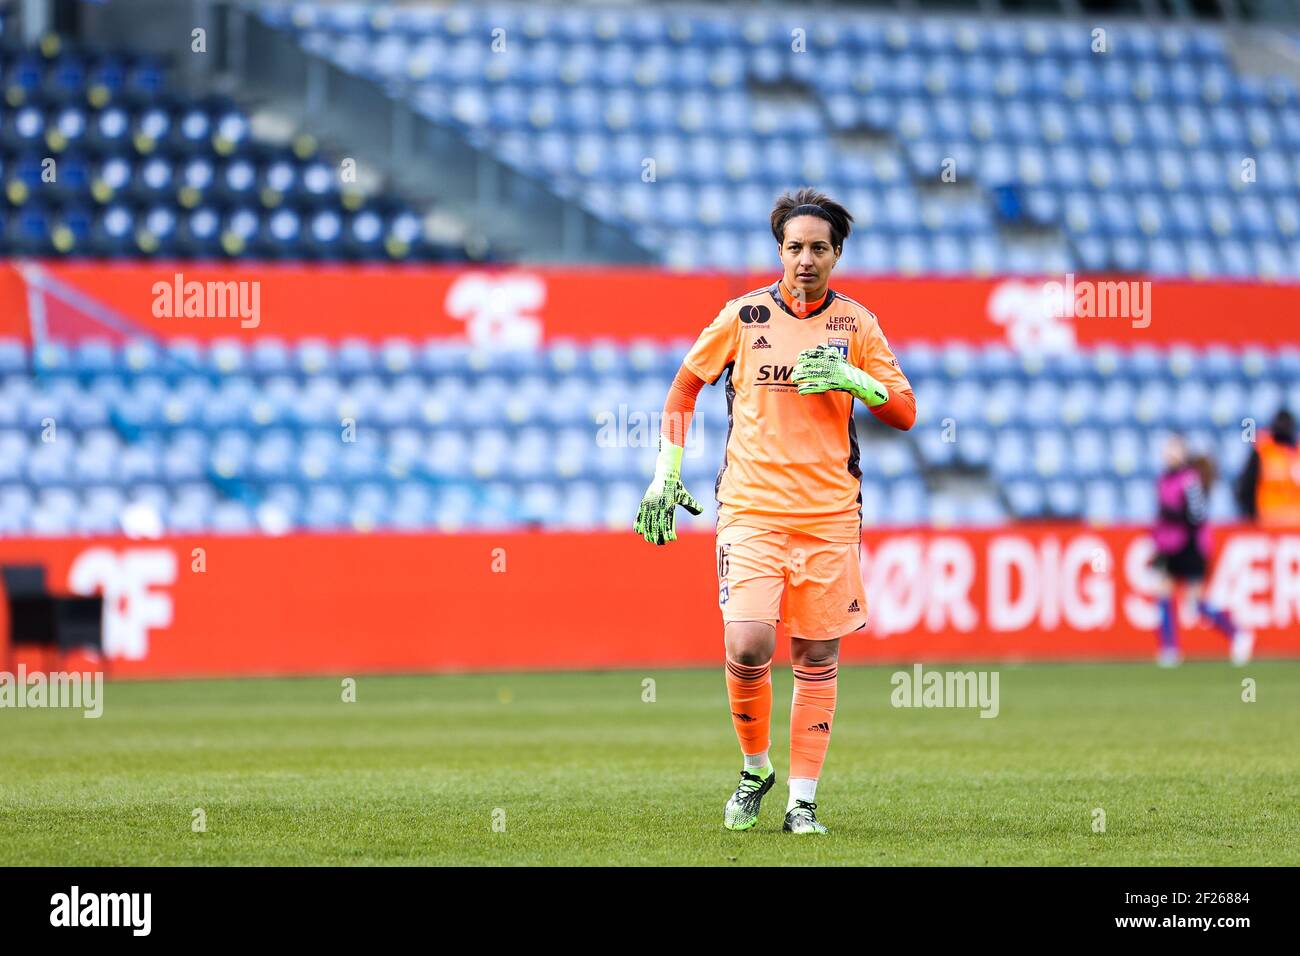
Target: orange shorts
{"type": "Point", "coordinates": [815, 586]}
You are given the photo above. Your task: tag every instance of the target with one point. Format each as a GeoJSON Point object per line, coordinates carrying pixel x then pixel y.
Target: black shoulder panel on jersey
{"type": "Point", "coordinates": [731, 398]}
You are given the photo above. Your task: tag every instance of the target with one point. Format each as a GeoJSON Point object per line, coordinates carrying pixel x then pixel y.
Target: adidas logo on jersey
{"type": "Point", "coordinates": [822, 728]}
{"type": "Point", "coordinates": [760, 343]}
{"type": "Point", "coordinates": [853, 608]}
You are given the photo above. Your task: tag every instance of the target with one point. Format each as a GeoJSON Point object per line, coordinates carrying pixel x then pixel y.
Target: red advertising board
{"type": "Point", "coordinates": [525, 306]}
{"type": "Point", "coordinates": [347, 604]}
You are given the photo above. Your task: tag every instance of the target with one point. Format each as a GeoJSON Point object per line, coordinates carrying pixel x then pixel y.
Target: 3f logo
{"type": "Point", "coordinates": [132, 582]}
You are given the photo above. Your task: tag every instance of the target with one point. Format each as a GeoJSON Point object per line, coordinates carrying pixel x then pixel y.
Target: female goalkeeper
{"type": "Point", "coordinates": [795, 355]}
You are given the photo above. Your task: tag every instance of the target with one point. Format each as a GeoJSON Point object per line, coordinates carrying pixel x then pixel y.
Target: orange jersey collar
{"type": "Point", "coordinates": [800, 309]}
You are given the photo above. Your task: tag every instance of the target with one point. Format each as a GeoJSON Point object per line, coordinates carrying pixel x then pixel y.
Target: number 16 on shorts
{"type": "Point", "coordinates": [724, 562]}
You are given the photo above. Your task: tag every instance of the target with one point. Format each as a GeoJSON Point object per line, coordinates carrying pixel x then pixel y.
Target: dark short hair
{"type": "Point", "coordinates": [809, 202]}
{"type": "Point", "coordinates": [1283, 426]}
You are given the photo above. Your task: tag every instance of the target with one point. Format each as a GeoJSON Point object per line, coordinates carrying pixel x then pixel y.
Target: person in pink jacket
{"type": "Point", "coordinates": [1182, 539]}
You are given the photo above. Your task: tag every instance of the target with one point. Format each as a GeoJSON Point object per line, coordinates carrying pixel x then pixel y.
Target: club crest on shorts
{"type": "Point", "coordinates": [841, 344]}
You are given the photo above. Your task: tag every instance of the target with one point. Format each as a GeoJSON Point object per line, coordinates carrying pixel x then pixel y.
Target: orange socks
{"type": "Point", "coordinates": [811, 714]}
{"type": "Point", "coordinates": [749, 689]}
{"type": "Point", "coordinates": [812, 711]}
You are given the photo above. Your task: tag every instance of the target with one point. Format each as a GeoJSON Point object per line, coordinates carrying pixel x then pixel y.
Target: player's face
{"type": "Point", "coordinates": [807, 256]}
{"type": "Point", "coordinates": [1175, 453]}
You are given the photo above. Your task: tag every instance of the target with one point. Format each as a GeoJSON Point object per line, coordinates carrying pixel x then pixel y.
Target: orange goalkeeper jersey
{"type": "Point", "coordinates": [791, 460]}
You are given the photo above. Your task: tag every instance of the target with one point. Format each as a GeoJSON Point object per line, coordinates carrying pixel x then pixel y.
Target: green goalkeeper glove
{"type": "Point", "coordinates": [657, 519]}
{"type": "Point", "coordinates": [824, 369]}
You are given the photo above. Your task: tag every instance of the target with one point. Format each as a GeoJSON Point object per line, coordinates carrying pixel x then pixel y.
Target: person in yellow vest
{"type": "Point", "coordinates": [1268, 489]}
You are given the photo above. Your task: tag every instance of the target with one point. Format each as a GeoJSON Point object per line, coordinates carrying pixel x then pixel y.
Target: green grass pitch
{"type": "Point", "coordinates": [577, 768]}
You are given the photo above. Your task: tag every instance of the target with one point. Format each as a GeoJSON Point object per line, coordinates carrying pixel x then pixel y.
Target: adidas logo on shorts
{"type": "Point", "coordinates": [853, 608]}
{"type": "Point", "coordinates": [760, 343]}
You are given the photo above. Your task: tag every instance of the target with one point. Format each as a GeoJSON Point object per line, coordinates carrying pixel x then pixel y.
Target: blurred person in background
{"type": "Point", "coordinates": [1268, 489]}
{"type": "Point", "coordinates": [1182, 538]}
{"type": "Point", "coordinates": [795, 354]}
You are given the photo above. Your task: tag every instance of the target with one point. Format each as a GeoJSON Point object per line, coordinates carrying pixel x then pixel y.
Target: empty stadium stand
{"type": "Point", "coordinates": [1156, 153]}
